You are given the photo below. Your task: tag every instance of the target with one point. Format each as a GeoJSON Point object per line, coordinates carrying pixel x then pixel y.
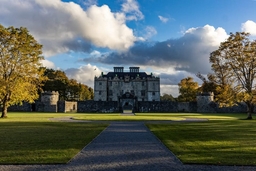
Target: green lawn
{"type": "Point", "coordinates": [158, 117]}
{"type": "Point", "coordinates": [223, 142]}
{"type": "Point", "coordinates": [225, 139]}
{"type": "Point", "coordinates": [32, 138]}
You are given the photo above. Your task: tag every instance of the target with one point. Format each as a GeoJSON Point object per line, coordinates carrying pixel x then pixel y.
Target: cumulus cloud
{"type": "Point", "coordinates": [88, 3]}
{"type": "Point", "coordinates": [132, 11]}
{"type": "Point", "coordinates": [170, 89]}
{"type": "Point", "coordinates": [48, 64]}
{"type": "Point", "coordinates": [163, 19]}
{"type": "Point", "coordinates": [85, 74]}
{"type": "Point", "coordinates": [188, 53]}
{"type": "Point", "coordinates": [61, 26]}
{"type": "Point", "coordinates": [250, 27]}
{"type": "Point", "coordinates": [149, 32]}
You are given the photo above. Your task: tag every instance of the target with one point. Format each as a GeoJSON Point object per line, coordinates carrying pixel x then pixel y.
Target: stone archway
{"type": "Point", "coordinates": [127, 103]}
{"type": "Point", "coordinates": [127, 107]}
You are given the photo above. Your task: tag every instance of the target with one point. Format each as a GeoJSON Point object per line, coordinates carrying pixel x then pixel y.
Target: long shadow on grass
{"type": "Point", "coordinates": [44, 142]}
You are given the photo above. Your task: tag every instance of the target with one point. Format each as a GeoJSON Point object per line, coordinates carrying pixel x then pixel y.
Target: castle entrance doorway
{"type": "Point", "coordinates": [127, 107]}
{"type": "Point", "coordinates": [127, 103]}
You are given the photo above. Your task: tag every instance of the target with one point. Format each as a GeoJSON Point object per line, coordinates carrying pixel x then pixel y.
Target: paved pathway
{"type": "Point", "coordinates": [124, 146]}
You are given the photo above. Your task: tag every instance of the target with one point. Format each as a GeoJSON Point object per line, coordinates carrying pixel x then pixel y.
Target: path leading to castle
{"type": "Point", "coordinates": [124, 146]}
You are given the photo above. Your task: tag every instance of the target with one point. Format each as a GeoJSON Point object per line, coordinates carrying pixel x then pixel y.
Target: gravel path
{"type": "Point", "coordinates": [125, 146]}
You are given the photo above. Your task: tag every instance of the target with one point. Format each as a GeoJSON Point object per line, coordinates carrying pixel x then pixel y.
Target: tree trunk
{"type": "Point", "coordinates": [249, 110]}
{"type": "Point", "coordinates": [4, 110]}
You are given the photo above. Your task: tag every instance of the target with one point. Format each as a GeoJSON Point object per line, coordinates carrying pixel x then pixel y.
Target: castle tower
{"type": "Point", "coordinates": [203, 101]}
{"type": "Point", "coordinates": [49, 99]}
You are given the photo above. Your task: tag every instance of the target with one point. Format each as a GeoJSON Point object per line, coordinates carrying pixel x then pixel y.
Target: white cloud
{"type": "Point", "coordinates": [95, 53]}
{"type": "Point", "coordinates": [188, 53]}
{"type": "Point", "coordinates": [88, 3]}
{"type": "Point", "coordinates": [132, 11]}
{"type": "Point", "coordinates": [163, 19]}
{"type": "Point", "coordinates": [48, 64]}
{"type": "Point", "coordinates": [209, 33]}
{"type": "Point", "coordinates": [150, 31]}
{"type": "Point", "coordinates": [55, 24]}
{"type": "Point", "coordinates": [85, 74]}
{"type": "Point", "coordinates": [250, 27]}
{"type": "Point", "coordinates": [170, 89]}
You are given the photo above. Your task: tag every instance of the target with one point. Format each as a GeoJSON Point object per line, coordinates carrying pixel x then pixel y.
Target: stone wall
{"type": "Point", "coordinates": [97, 106]}
{"type": "Point", "coordinates": [45, 107]}
{"type": "Point", "coordinates": [25, 107]}
{"type": "Point", "coordinates": [49, 103]}
{"type": "Point", "coordinates": [66, 106]}
{"type": "Point", "coordinates": [165, 106]}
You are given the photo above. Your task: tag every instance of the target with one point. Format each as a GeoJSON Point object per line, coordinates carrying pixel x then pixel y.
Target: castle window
{"type": "Point", "coordinates": [110, 92]}
{"type": "Point", "coordinates": [142, 83]}
{"type": "Point", "coordinates": [142, 92]}
{"type": "Point", "coordinates": [100, 83]}
{"type": "Point", "coordinates": [126, 78]}
{"type": "Point", "coordinates": [99, 92]}
{"type": "Point", "coordinates": [153, 93]}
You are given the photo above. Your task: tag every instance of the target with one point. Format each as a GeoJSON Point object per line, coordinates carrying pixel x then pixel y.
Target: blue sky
{"type": "Point", "coordinates": [170, 38]}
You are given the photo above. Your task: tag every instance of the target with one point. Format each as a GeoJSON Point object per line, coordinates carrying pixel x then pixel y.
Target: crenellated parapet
{"type": "Point", "coordinates": [203, 100]}
{"type": "Point", "coordinates": [50, 97]}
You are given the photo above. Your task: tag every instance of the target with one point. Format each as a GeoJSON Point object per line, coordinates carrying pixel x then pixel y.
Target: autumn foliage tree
{"type": "Point", "coordinates": [234, 67]}
{"type": "Point", "coordinates": [188, 90]}
{"type": "Point", "coordinates": [20, 67]}
{"type": "Point", "coordinates": [69, 89]}
{"type": "Point", "coordinates": [56, 81]}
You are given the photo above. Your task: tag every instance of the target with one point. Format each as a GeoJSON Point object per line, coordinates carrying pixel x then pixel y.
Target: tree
{"type": "Point", "coordinates": [69, 89]}
{"type": "Point", "coordinates": [56, 81]}
{"type": "Point", "coordinates": [85, 93]}
{"type": "Point", "coordinates": [188, 90]}
{"type": "Point", "coordinates": [167, 97]}
{"type": "Point", "coordinates": [234, 66]}
{"type": "Point", "coordinates": [223, 93]}
{"type": "Point", "coordinates": [20, 67]}
{"type": "Point", "coordinates": [207, 86]}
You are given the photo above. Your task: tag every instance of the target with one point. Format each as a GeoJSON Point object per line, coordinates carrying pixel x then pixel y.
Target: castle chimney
{"type": "Point", "coordinates": [134, 69]}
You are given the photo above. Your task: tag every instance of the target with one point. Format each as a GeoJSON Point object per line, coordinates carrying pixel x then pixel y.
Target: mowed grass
{"type": "Point", "coordinates": [225, 139]}
{"type": "Point", "coordinates": [33, 139]}
{"type": "Point", "coordinates": [222, 142]}
{"type": "Point", "coordinates": [157, 117]}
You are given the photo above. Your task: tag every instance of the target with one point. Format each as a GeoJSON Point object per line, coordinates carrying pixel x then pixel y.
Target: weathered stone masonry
{"type": "Point", "coordinates": [204, 104]}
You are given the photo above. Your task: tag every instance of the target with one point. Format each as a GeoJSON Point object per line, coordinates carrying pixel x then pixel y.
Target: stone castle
{"type": "Point", "coordinates": [119, 91]}
{"type": "Point", "coordinates": [114, 85]}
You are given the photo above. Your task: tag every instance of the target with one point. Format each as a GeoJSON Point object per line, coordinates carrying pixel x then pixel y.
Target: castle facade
{"type": "Point", "coordinates": [119, 84]}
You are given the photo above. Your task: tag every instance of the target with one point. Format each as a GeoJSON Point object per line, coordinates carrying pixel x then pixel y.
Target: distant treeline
{"type": "Point", "coordinates": [69, 89]}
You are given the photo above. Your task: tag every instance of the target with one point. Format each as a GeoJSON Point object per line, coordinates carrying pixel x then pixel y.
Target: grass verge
{"type": "Point", "coordinates": [30, 138]}
{"type": "Point", "coordinates": [158, 117]}
{"type": "Point", "coordinates": [44, 142]}
{"type": "Point", "coordinates": [222, 142]}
